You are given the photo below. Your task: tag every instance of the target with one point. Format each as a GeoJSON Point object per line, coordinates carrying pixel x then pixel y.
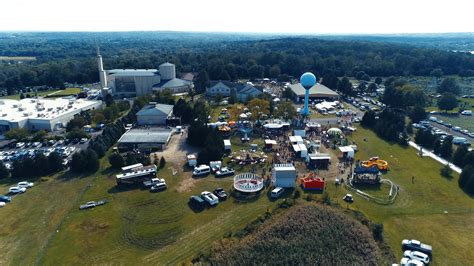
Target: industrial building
{"type": "Point", "coordinates": [318, 91]}
{"type": "Point", "coordinates": [129, 83]}
{"type": "Point", "coordinates": [284, 175]}
{"type": "Point", "coordinates": [41, 114]}
{"type": "Point", "coordinates": [154, 114]}
{"type": "Point", "coordinates": [144, 139]}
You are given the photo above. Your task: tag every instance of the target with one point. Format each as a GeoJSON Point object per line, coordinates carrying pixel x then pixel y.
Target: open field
{"type": "Point", "coordinates": [142, 227]}
{"type": "Point", "coordinates": [433, 209]}
{"type": "Point", "coordinates": [52, 93]}
{"type": "Point", "coordinates": [17, 58]}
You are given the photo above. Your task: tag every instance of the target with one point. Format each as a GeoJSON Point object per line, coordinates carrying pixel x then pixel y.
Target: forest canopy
{"type": "Point", "coordinates": [71, 57]}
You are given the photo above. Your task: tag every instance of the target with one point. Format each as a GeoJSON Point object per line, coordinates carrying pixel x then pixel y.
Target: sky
{"type": "Point", "coordinates": [271, 16]}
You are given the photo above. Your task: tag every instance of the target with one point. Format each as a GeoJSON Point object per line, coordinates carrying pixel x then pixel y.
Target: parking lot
{"type": "Point", "coordinates": [21, 150]}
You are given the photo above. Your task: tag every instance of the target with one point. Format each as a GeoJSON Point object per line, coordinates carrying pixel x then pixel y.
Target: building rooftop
{"type": "Point", "coordinates": [132, 72]}
{"type": "Point", "coordinates": [40, 109]}
{"type": "Point", "coordinates": [317, 90]}
{"type": "Point", "coordinates": [167, 64]}
{"type": "Point", "coordinates": [172, 83]}
{"type": "Point", "coordinates": [156, 109]}
{"type": "Point", "coordinates": [146, 135]}
{"type": "Point", "coordinates": [284, 167]}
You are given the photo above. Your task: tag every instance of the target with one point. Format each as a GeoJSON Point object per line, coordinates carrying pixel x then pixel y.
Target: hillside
{"type": "Point", "coordinates": [310, 234]}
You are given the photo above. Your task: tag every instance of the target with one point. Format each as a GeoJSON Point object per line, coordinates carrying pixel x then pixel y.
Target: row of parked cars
{"type": "Point", "coordinates": [415, 253]}
{"type": "Point", "coordinates": [454, 128]}
{"type": "Point", "coordinates": [208, 198]}
{"type": "Point", "coordinates": [21, 187]}
{"type": "Point", "coordinates": [7, 157]}
{"type": "Point", "coordinates": [203, 170]}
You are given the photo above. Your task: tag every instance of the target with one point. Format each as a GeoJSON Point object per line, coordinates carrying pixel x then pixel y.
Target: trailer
{"type": "Point", "coordinates": [137, 175]}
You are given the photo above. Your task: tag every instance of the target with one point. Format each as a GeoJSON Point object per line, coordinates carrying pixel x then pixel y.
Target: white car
{"type": "Point", "coordinates": [416, 255]}
{"type": "Point", "coordinates": [210, 198]}
{"type": "Point", "coordinates": [2, 204]}
{"type": "Point", "coordinates": [410, 262]}
{"type": "Point", "coordinates": [277, 192]}
{"type": "Point", "coordinates": [25, 184]}
{"type": "Point", "coordinates": [16, 190]}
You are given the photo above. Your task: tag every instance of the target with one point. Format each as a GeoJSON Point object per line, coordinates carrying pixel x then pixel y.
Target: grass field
{"type": "Point", "coordinates": [57, 93]}
{"type": "Point", "coordinates": [433, 209]}
{"type": "Point", "coordinates": [17, 58]}
{"type": "Point", "coordinates": [45, 226]}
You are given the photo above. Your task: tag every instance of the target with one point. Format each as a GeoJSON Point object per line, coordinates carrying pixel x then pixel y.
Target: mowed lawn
{"type": "Point", "coordinates": [138, 226]}
{"type": "Point", "coordinates": [59, 93]}
{"type": "Point", "coordinates": [433, 209]}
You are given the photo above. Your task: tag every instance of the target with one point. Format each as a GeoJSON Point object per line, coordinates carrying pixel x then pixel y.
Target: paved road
{"type": "Point", "coordinates": [450, 131]}
{"type": "Point", "coordinates": [435, 157]}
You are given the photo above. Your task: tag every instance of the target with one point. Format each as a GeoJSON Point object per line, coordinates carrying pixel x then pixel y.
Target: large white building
{"type": "Point", "coordinates": [129, 83]}
{"type": "Point", "coordinates": [41, 114]}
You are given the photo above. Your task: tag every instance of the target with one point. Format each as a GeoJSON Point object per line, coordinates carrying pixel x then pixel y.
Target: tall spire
{"type": "Point", "coordinates": [102, 74]}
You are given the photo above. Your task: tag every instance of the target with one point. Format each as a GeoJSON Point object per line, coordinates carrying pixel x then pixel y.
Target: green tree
{"type": "Point", "coordinates": [109, 100]}
{"type": "Point", "coordinates": [459, 154]}
{"type": "Point", "coordinates": [39, 136]}
{"type": "Point", "coordinates": [201, 81]}
{"type": "Point", "coordinates": [466, 177]}
{"type": "Point", "coordinates": [378, 80]}
{"type": "Point", "coordinates": [162, 162]}
{"type": "Point", "coordinates": [274, 71]}
{"type": "Point", "coordinates": [17, 134]}
{"type": "Point", "coordinates": [447, 102]}
{"type": "Point", "coordinates": [4, 173]}
{"type": "Point", "coordinates": [437, 72]}
{"type": "Point", "coordinates": [55, 162]}
{"type": "Point", "coordinates": [449, 85]}
{"type": "Point", "coordinates": [446, 149]}
{"type": "Point", "coordinates": [417, 113]}
{"type": "Point", "coordinates": [116, 161]}
{"type": "Point", "coordinates": [285, 110]}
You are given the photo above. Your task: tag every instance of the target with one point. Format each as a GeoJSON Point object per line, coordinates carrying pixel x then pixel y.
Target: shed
{"type": "Point", "coordinates": [318, 160]}
{"type": "Point", "coordinates": [284, 175]}
{"type": "Point", "coordinates": [346, 152]}
{"type": "Point", "coordinates": [227, 145]}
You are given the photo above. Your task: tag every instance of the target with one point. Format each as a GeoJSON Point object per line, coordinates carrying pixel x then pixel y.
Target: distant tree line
{"type": "Point", "coordinates": [73, 59]}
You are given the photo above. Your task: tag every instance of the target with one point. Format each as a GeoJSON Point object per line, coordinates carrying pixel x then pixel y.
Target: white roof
{"type": "Point", "coordinates": [270, 141]}
{"type": "Point", "coordinates": [299, 147]}
{"type": "Point", "coordinates": [346, 149]}
{"type": "Point", "coordinates": [227, 142]}
{"type": "Point", "coordinates": [297, 139]}
{"type": "Point", "coordinates": [29, 108]}
{"type": "Point", "coordinates": [191, 157]}
{"type": "Point", "coordinates": [320, 156]}
{"type": "Point", "coordinates": [273, 126]}
{"type": "Point", "coordinates": [284, 167]}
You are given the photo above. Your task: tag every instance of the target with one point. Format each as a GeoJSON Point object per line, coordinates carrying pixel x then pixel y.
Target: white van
{"type": "Point", "coordinates": [466, 112]}
{"type": "Point", "coordinates": [201, 170]}
{"type": "Point", "coordinates": [277, 192]}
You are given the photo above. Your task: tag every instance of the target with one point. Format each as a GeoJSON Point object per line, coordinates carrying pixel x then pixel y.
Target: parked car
{"type": "Point", "coordinates": [220, 193]}
{"type": "Point", "coordinates": [16, 190]}
{"type": "Point", "coordinates": [201, 170]}
{"type": "Point", "coordinates": [196, 202]}
{"type": "Point", "coordinates": [25, 184]}
{"type": "Point", "coordinates": [2, 204]}
{"type": "Point", "coordinates": [415, 245]}
{"type": "Point", "coordinates": [410, 262]}
{"type": "Point", "coordinates": [277, 192]}
{"type": "Point", "coordinates": [5, 198]}
{"type": "Point", "coordinates": [153, 181]}
{"type": "Point", "coordinates": [456, 128]}
{"type": "Point", "coordinates": [158, 187]}
{"type": "Point", "coordinates": [92, 204]}
{"type": "Point", "coordinates": [348, 198]}
{"type": "Point", "coordinates": [416, 255]}
{"type": "Point", "coordinates": [210, 198]}
{"type": "Point", "coordinates": [225, 171]}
